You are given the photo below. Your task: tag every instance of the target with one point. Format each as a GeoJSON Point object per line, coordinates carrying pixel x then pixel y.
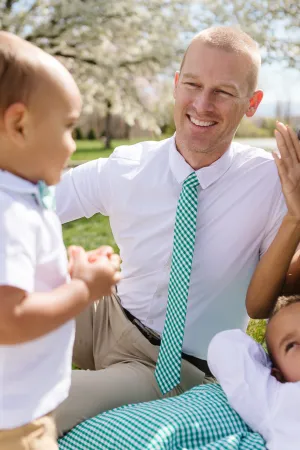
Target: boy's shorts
{"type": "Point", "coordinates": [37, 435]}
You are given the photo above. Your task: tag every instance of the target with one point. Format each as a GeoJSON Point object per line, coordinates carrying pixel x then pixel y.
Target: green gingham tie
{"type": "Point", "coordinates": [168, 365]}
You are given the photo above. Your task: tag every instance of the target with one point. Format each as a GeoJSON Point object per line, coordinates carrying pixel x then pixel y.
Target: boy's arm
{"type": "Point", "coordinates": [28, 316]}
{"type": "Point", "coordinates": [270, 277]}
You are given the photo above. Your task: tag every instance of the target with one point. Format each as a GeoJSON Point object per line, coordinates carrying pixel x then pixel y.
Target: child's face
{"type": "Point", "coordinates": [50, 139]}
{"type": "Point", "coordinates": [283, 336]}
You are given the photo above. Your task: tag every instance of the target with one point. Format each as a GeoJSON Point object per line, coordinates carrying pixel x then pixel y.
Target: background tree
{"type": "Point", "coordinates": [273, 24]}
{"type": "Point", "coordinates": [123, 54]}
{"type": "Point", "coordinates": [115, 50]}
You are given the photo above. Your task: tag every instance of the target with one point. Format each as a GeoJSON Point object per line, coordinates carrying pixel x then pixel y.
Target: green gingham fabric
{"type": "Point", "coordinates": [167, 372]}
{"type": "Point", "coordinates": [198, 419]}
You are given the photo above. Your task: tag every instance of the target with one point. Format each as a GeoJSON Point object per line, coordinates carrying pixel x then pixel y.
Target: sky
{"type": "Point", "coordinates": [279, 84]}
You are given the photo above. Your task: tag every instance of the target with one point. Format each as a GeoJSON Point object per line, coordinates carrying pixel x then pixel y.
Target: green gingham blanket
{"type": "Point", "coordinates": [198, 419]}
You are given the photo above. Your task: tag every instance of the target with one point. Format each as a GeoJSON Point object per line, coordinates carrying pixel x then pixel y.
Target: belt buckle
{"type": "Point", "coordinates": [147, 332]}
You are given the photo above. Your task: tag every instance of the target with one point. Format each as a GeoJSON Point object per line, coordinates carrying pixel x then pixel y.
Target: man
{"type": "Point", "coordinates": [230, 206]}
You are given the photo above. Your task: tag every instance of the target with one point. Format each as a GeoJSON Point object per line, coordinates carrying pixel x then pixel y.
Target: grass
{"type": "Point", "coordinates": [87, 150]}
{"type": "Point", "coordinates": [91, 233]}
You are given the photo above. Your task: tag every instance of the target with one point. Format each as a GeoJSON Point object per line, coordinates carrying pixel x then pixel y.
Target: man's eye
{"type": "Point", "coordinates": [220, 91]}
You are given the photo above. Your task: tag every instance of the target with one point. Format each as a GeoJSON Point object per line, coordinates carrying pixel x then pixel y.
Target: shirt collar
{"type": "Point", "coordinates": [207, 175]}
{"type": "Point", "coordinates": [12, 183]}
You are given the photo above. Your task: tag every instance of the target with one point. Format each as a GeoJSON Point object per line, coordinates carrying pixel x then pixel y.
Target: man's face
{"type": "Point", "coordinates": [52, 126]}
{"type": "Point", "coordinates": [211, 97]}
{"type": "Point", "coordinates": [283, 337]}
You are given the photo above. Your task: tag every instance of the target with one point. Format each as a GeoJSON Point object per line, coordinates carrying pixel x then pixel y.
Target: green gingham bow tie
{"type": "Point", "coordinates": [46, 195]}
{"type": "Point", "coordinates": [168, 365]}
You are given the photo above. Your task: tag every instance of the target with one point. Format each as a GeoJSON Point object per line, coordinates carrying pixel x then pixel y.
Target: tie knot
{"type": "Point", "coordinates": [191, 181]}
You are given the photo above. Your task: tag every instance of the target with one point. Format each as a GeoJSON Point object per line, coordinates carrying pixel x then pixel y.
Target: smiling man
{"type": "Point", "coordinates": [192, 216]}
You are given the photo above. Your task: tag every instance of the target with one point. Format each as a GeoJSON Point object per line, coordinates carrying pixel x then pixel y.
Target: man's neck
{"type": "Point", "coordinates": [198, 160]}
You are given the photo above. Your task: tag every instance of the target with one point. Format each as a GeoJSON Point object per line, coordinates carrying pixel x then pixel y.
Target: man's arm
{"type": "Point", "coordinates": [278, 269]}
{"type": "Point", "coordinates": [84, 191]}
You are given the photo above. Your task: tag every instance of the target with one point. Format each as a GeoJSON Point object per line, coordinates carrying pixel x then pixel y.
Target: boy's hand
{"type": "Point", "coordinates": [100, 275]}
{"type": "Point", "coordinates": [288, 166]}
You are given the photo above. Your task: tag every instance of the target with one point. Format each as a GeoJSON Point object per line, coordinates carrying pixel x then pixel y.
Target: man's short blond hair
{"type": "Point", "coordinates": [19, 70]}
{"type": "Point", "coordinates": [231, 39]}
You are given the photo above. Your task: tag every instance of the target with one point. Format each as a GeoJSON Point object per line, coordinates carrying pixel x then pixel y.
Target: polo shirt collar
{"type": "Point", "coordinates": [12, 183]}
{"type": "Point", "coordinates": [207, 175]}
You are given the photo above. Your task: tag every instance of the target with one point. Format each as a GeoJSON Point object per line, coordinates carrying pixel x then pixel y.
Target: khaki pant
{"type": "Point", "coordinates": [118, 363]}
{"type": "Point", "coordinates": [37, 435]}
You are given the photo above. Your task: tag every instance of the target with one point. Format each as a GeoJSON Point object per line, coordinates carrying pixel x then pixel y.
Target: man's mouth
{"type": "Point", "coordinates": [201, 123]}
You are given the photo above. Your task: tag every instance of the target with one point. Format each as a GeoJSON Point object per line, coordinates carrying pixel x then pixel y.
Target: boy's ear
{"type": "Point", "coordinates": [277, 374]}
{"type": "Point", "coordinates": [14, 121]}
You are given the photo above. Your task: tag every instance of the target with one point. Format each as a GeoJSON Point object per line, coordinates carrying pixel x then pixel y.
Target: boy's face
{"type": "Point", "coordinates": [51, 124]}
{"type": "Point", "coordinates": [283, 336]}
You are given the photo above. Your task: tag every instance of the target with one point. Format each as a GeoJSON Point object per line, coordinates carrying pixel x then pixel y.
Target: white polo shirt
{"type": "Point", "coordinates": [239, 212]}
{"type": "Point", "coordinates": [34, 376]}
{"type": "Point", "coordinates": [244, 371]}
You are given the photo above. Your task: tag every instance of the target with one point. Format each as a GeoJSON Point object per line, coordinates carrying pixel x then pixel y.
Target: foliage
{"type": "Point", "coordinates": [122, 54]}
{"type": "Point", "coordinates": [91, 136]}
{"type": "Point", "coordinates": [273, 24]}
{"type": "Point", "coordinates": [78, 134]}
{"type": "Point", "coordinates": [115, 50]}
{"type": "Point", "coordinates": [248, 129]}
{"type": "Point", "coordinates": [257, 330]}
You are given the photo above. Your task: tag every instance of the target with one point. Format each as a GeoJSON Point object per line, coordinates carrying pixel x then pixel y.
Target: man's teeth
{"type": "Point", "coordinates": [201, 123]}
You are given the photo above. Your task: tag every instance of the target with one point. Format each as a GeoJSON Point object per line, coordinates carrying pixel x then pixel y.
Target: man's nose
{"type": "Point", "coordinates": [203, 101]}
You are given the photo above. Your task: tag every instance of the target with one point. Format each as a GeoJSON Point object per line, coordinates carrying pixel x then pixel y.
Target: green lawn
{"type": "Point", "coordinates": [90, 233]}
{"type": "Point", "coordinates": [87, 150]}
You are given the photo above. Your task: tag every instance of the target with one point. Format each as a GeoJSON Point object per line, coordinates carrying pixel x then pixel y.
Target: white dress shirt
{"type": "Point", "coordinates": [35, 376]}
{"type": "Point", "coordinates": [269, 407]}
{"type": "Point", "coordinates": [239, 212]}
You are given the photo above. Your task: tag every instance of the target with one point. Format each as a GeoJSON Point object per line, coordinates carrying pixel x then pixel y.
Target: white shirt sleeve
{"type": "Point", "coordinates": [276, 215]}
{"type": "Point", "coordinates": [18, 245]}
{"type": "Point", "coordinates": [84, 191]}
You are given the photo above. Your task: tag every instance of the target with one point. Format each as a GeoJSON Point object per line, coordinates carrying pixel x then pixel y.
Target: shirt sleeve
{"type": "Point", "coordinates": [277, 212]}
{"type": "Point", "coordinates": [84, 191]}
{"type": "Point", "coordinates": [18, 245]}
{"type": "Point", "coordinates": [243, 369]}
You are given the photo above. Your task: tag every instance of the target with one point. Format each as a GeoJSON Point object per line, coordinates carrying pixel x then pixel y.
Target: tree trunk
{"type": "Point", "coordinates": [108, 136]}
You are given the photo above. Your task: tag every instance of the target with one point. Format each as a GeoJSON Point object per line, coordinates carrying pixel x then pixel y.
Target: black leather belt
{"type": "Point", "coordinates": [154, 339]}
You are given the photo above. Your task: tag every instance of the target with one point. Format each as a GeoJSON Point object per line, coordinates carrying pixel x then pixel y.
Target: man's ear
{"type": "Point", "coordinates": [254, 103]}
{"type": "Point", "coordinates": [277, 374]}
{"type": "Point", "coordinates": [176, 78]}
{"type": "Point", "coordinates": [14, 121]}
